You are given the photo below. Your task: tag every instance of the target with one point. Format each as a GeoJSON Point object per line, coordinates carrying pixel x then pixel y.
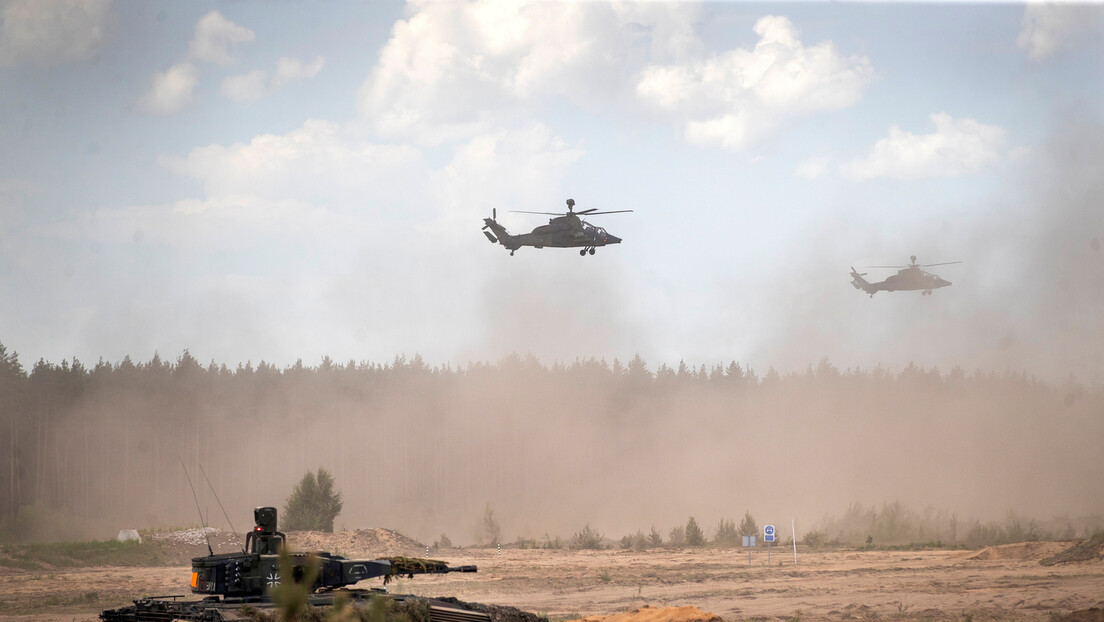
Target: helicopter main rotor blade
{"type": "Point", "coordinates": [518, 211]}
{"type": "Point", "coordinates": [895, 267]}
{"type": "Point", "coordinates": [945, 263]}
{"type": "Point", "coordinates": [594, 213]}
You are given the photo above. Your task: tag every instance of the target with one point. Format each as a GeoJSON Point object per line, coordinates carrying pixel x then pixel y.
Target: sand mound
{"type": "Point", "coordinates": [1020, 551]}
{"type": "Point", "coordinates": [654, 614]}
{"type": "Point", "coordinates": [359, 544]}
{"type": "Point", "coordinates": [1086, 550]}
{"type": "Point", "coordinates": [180, 546]}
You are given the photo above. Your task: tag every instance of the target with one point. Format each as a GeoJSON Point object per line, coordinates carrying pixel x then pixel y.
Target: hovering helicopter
{"type": "Point", "coordinates": [567, 230]}
{"type": "Point", "coordinates": [908, 278]}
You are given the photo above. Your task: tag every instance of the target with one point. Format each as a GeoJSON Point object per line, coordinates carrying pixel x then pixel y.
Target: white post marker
{"type": "Point", "coordinates": [793, 530]}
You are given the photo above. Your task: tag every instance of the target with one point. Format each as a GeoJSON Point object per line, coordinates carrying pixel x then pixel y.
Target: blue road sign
{"type": "Point", "coordinates": [768, 533]}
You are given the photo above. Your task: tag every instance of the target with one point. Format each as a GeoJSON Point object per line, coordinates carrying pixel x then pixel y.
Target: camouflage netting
{"type": "Point", "coordinates": [414, 565]}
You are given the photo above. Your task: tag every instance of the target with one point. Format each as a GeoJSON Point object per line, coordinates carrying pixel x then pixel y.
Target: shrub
{"type": "Point", "coordinates": [814, 538]}
{"type": "Point", "coordinates": [636, 541]}
{"type": "Point", "coordinates": [314, 504]}
{"type": "Point", "coordinates": [588, 538]}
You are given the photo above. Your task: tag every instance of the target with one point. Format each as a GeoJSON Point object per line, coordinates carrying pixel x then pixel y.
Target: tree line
{"type": "Point", "coordinates": [419, 445]}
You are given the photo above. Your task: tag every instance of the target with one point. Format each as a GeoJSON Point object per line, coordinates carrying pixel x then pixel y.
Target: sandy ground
{"type": "Point", "coordinates": [1000, 583]}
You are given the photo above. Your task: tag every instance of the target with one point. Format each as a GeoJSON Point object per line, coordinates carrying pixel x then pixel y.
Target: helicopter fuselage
{"type": "Point", "coordinates": [560, 232]}
{"type": "Point", "coordinates": [909, 279]}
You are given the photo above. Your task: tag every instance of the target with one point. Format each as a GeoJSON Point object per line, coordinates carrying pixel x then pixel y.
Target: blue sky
{"type": "Point", "coordinates": [253, 181]}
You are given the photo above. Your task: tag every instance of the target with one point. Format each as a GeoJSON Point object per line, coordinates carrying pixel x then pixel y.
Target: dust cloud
{"type": "Point", "coordinates": [557, 441]}
{"type": "Point", "coordinates": [425, 450]}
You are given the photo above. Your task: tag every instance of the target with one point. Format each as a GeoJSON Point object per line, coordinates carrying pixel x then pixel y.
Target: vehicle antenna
{"type": "Point", "coordinates": [219, 502]}
{"type": "Point", "coordinates": [209, 551]}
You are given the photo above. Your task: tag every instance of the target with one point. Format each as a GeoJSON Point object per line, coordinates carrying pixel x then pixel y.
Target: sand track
{"type": "Point", "coordinates": [997, 583]}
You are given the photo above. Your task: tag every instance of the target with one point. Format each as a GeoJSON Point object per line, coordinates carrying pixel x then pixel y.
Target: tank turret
{"type": "Point", "coordinates": [233, 583]}
{"type": "Point", "coordinates": [256, 569]}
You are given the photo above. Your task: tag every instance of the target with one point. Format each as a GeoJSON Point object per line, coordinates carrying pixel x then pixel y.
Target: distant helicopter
{"type": "Point", "coordinates": [909, 278]}
{"type": "Point", "coordinates": [567, 230]}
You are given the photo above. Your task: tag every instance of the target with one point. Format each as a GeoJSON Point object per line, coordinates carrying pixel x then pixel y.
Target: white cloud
{"type": "Point", "coordinates": [290, 69]}
{"type": "Point", "coordinates": [813, 168]}
{"type": "Point", "coordinates": [209, 224]}
{"type": "Point", "coordinates": [736, 98]}
{"type": "Point", "coordinates": [214, 35]}
{"type": "Point", "coordinates": [452, 70]}
{"type": "Point", "coordinates": [171, 92]}
{"type": "Point", "coordinates": [1050, 27]}
{"type": "Point", "coordinates": [51, 32]}
{"type": "Point", "coordinates": [500, 169]}
{"type": "Point", "coordinates": [316, 163]}
{"type": "Point", "coordinates": [247, 87]}
{"type": "Point", "coordinates": [254, 85]}
{"type": "Point", "coordinates": [957, 147]}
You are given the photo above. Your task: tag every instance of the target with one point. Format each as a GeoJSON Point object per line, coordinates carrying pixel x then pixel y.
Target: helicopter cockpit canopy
{"type": "Point", "coordinates": [592, 230]}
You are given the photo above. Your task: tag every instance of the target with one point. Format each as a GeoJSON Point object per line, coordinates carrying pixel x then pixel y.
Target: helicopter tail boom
{"type": "Point", "coordinates": [501, 235]}
{"type": "Point", "coordinates": [859, 282]}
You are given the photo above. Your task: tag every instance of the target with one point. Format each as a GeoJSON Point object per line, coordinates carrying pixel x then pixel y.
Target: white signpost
{"type": "Point", "coordinates": [749, 542]}
{"type": "Point", "coordinates": [768, 537]}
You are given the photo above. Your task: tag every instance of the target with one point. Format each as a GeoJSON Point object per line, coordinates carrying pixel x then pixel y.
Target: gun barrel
{"type": "Point", "coordinates": [469, 568]}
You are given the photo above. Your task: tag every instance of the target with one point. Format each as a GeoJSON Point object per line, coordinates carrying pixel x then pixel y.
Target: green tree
{"type": "Point", "coordinates": [748, 526]}
{"type": "Point", "coordinates": [677, 535]}
{"type": "Point", "coordinates": [655, 540]}
{"type": "Point", "coordinates": [314, 504]}
{"type": "Point", "coordinates": [694, 534]}
{"type": "Point", "coordinates": [726, 534]}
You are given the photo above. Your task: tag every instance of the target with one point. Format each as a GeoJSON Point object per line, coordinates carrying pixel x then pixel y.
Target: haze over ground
{"type": "Point", "coordinates": [252, 182]}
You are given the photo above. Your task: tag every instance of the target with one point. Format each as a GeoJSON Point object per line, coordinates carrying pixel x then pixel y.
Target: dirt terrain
{"type": "Point", "coordinates": [679, 585]}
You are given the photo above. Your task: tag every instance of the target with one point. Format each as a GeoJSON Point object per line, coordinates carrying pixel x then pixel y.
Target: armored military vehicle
{"type": "Point", "coordinates": [236, 585]}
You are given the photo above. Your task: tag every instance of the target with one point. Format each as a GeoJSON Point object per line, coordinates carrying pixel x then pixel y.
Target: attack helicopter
{"type": "Point", "coordinates": [566, 230]}
{"type": "Point", "coordinates": [908, 278]}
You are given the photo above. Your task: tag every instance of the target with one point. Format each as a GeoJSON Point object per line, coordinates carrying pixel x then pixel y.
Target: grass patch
{"type": "Point", "coordinates": [78, 554]}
